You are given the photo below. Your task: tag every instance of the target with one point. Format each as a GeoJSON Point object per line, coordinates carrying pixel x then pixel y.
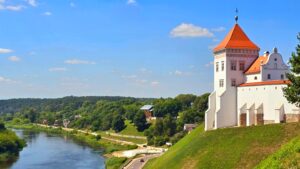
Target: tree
{"type": "Point", "coordinates": [167, 106]}
{"type": "Point", "coordinates": [118, 123]}
{"type": "Point", "coordinates": [201, 103]}
{"type": "Point", "coordinates": [186, 100]}
{"type": "Point", "coordinates": [2, 126]}
{"type": "Point", "coordinates": [169, 125]}
{"type": "Point", "coordinates": [140, 121]}
{"type": "Point", "coordinates": [292, 91]}
{"type": "Point", "coordinates": [131, 111]}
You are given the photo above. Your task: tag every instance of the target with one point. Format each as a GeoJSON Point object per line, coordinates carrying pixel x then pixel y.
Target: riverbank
{"type": "Point", "coordinates": [93, 141]}
{"type": "Point", "coordinates": [10, 145]}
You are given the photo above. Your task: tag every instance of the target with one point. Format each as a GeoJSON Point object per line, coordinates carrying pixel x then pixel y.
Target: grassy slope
{"type": "Point", "coordinates": [287, 157]}
{"type": "Point", "coordinates": [130, 130]}
{"type": "Point", "coordinates": [226, 148]}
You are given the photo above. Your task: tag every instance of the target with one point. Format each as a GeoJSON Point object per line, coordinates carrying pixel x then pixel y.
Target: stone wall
{"type": "Point", "coordinates": [291, 118]}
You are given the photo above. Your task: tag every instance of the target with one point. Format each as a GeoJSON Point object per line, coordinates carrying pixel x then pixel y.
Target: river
{"type": "Point", "coordinates": [48, 151]}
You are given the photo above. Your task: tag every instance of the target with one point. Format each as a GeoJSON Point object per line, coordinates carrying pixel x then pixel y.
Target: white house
{"type": "Point", "coordinates": [247, 87]}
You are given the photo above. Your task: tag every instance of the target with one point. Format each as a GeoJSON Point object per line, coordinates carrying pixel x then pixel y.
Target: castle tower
{"type": "Point", "coordinates": [232, 57]}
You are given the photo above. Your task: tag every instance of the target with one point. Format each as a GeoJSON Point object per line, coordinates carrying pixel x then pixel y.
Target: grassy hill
{"type": "Point", "coordinates": [243, 147]}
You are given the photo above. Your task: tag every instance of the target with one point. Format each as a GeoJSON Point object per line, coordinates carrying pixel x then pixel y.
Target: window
{"type": "Point", "coordinates": [233, 82]}
{"type": "Point", "coordinates": [242, 65]}
{"type": "Point", "coordinates": [222, 66]}
{"type": "Point", "coordinates": [282, 76]}
{"type": "Point", "coordinates": [233, 65]}
{"type": "Point", "coordinates": [221, 83]}
{"type": "Point", "coordinates": [217, 66]}
{"type": "Point", "coordinates": [269, 76]}
{"type": "Point", "coordinates": [275, 59]}
{"type": "Point", "coordinates": [275, 65]}
{"type": "Point", "coordinates": [255, 78]}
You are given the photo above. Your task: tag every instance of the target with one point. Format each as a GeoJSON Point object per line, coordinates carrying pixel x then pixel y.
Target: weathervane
{"type": "Point", "coordinates": [236, 16]}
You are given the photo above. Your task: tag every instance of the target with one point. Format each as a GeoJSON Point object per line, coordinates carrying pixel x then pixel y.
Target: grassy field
{"type": "Point", "coordinates": [288, 156]}
{"type": "Point", "coordinates": [243, 147]}
{"type": "Point", "coordinates": [129, 130]}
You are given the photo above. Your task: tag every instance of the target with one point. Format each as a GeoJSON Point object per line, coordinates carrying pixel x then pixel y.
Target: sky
{"type": "Point", "coordinates": [138, 48]}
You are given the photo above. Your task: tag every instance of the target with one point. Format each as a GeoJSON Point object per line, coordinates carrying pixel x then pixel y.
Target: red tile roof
{"type": "Point", "coordinates": [270, 82]}
{"type": "Point", "coordinates": [236, 39]}
{"type": "Point", "coordinates": [255, 67]}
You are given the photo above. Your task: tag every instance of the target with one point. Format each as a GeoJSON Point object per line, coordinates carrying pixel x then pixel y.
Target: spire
{"type": "Point", "coordinates": [236, 39]}
{"type": "Point", "coordinates": [236, 15]}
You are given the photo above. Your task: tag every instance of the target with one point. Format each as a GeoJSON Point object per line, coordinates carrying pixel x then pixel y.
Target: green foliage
{"type": "Point", "coordinates": [118, 123]}
{"type": "Point", "coordinates": [243, 147]}
{"type": "Point", "coordinates": [2, 126]}
{"type": "Point", "coordinates": [114, 162]}
{"type": "Point", "coordinates": [292, 91]}
{"type": "Point", "coordinates": [185, 100]}
{"type": "Point", "coordinates": [162, 107]}
{"type": "Point", "coordinates": [10, 145]}
{"type": "Point", "coordinates": [140, 121]}
{"type": "Point", "coordinates": [288, 156]}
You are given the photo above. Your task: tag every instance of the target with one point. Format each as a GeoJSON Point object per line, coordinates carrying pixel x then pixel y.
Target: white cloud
{"type": "Point", "coordinates": [14, 7]}
{"type": "Point", "coordinates": [3, 51]}
{"type": "Point", "coordinates": [14, 58]}
{"type": "Point", "coordinates": [180, 73]}
{"type": "Point", "coordinates": [47, 13]}
{"type": "Point", "coordinates": [57, 69]}
{"type": "Point", "coordinates": [131, 2]}
{"type": "Point", "coordinates": [5, 80]}
{"type": "Point", "coordinates": [155, 83]}
{"type": "Point", "coordinates": [209, 64]}
{"type": "Point", "coordinates": [219, 29]}
{"type": "Point", "coordinates": [191, 31]}
{"type": "Point", "coordinates": [79, 62]}
{"type": "Point", "coordinates": [32, 3]}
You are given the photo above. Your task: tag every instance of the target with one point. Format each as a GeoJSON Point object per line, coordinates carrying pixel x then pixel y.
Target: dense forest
{"type": "Point", "coordinates": [10, 144]}
{"type": "Point", "coordinates": [105, 113]}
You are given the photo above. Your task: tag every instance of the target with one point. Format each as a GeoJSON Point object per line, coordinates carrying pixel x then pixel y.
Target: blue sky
{"type": "Point", "coordinates": [140, 48]}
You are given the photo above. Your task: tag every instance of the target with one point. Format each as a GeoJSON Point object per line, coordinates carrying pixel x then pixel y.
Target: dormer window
{"type": "Point", "coordinates": [255, 77]}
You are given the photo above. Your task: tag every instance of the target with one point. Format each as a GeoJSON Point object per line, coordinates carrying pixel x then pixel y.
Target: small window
{"type": "Point", "coordinates": [282, 76]}
{"type": "Point", "coordinates": [233, 82]}
{"type": "Point", "coordinates": [242, 65]}
{"type": "Point", "coordinates": [221, 83]}
{"type": "Point", "coordinates": [269, 76]}
{"type": "Point", "coordinates": [233, 65]}
{"type": "Point", "coordinates": [222, 66]}
{"type": "Point", "coordinates": [217, 66]}
{"type": "Point", "coordinates": [275, 59]}
{"type": "Point", "coordinates": [255, 77]}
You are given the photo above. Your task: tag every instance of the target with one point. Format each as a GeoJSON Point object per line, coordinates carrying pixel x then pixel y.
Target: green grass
{"type": "Point", "coordinates": [130, 129]}
{"type": "Point", "coordinates": [115, 162]}
{"type": "Point", "coordinates": [242, 147]}
{"type": "Point", "coordinates": [287, 157]}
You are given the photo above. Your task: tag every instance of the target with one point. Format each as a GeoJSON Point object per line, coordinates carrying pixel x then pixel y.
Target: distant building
{"type": "Point", "coordinates": [189, 127]}
{"type": "Point", "coordinates": [248, 86]}
{"type": "Point", "coordinates": [148, 110]}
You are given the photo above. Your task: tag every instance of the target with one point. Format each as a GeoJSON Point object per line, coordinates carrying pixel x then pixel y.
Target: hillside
{"type": "Point", "coordinates": [227, 148]}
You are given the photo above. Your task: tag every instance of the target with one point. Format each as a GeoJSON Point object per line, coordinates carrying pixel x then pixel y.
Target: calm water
{"type": "Point", "coordinates": [46, 151]}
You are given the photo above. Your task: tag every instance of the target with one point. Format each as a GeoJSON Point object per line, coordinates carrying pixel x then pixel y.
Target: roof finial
{"type": "Point", "coordinates": [236, 16]}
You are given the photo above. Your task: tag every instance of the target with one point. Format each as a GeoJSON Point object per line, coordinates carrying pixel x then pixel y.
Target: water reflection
{"type": "Point", "coordinates": [49, 151]}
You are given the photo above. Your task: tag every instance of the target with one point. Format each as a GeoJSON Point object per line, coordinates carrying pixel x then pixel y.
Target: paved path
{"type": "Point", "coordinates": [126, 136]}
{"type": "Point", "coordinates": [137, 164]}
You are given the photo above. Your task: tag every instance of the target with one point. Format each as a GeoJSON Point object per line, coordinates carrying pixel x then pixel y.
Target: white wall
{"type": "Point", "coordinates": [271, 96]}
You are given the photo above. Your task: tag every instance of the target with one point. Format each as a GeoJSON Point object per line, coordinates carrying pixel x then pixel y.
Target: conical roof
{"type": "Point", "coordinates": [236, 39]}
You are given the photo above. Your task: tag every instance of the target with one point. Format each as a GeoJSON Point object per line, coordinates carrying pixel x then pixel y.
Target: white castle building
{"type": "Point", "coordinates": [247, 87]}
